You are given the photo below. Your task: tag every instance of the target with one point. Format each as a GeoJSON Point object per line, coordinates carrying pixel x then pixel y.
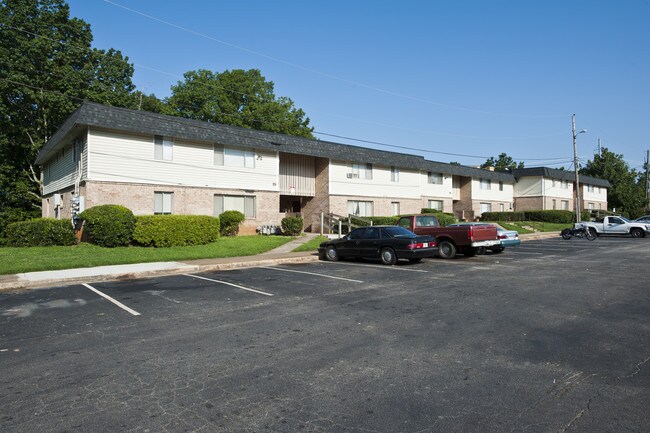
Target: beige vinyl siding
{"type": "Point", "coordinates": [380, 185]}
{"type": "Point", "coordinates": [436, 190]}
{"type": "Point", "coordinates": [122, 157]}
{"type": "Point", "coordinates": [59, 172]}
{"type": "Point", "coordinates": [559, 189]}
{"type": "Point", "coordinates": [492, 194]}
{"type": "Point", "coordinates": [529, 187]}
{"type": "Point", "coordinates": [297, 175]}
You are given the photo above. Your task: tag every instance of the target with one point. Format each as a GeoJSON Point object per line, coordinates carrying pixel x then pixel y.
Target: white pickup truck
{"type": "Point", "coordinates": [617, 225]}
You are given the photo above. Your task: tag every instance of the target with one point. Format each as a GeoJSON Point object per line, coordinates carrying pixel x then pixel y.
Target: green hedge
{"type": "Point", "coordinates": [230, 221]}
{"type": "Point", "coordinates": [40, 232]}
{"type": "Point", "coordinates": [546, 216]}
{"type": "Point", "coordinates": [175, 230]}
{"type": "Point", "coordinates": [109, 225]}
{"type": "Point", "coordinates": [292, 226]}
{"type": "Point", "coordinates": [443, 218]}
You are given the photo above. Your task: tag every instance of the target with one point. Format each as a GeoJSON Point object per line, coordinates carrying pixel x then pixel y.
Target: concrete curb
{"type": "Point", "coordinates": [37, 280]}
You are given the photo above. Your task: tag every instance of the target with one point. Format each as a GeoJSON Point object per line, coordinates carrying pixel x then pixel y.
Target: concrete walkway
{"type": "Point", "coordinates": [280, 255]}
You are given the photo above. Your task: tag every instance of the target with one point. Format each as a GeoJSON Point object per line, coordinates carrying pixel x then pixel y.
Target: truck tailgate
{"type": "Point", "coordinates": [483, 233]}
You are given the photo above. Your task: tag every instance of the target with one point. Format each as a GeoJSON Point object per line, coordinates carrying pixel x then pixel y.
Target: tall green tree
{"type": "Point", "coordinates": [47, 69]}
{"type": "Point", "coordinates": [502, 163]}
{"type": "Point", "coordinates": [626, 195]}
{"type": "Point", "coordinates": [240, 98]}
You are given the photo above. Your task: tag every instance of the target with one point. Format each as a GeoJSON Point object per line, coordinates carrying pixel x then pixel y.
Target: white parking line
{"type": "Point", "coordinates": [394, 268]}
{"type": "Point", "coordinates": [230, 284]}
{"type": "Point", "coordinates": [310, 273]}
{"type": "Point", "coordinates": [114, 301]}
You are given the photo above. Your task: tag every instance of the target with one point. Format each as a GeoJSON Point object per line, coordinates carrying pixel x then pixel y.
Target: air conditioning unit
{"type": "Point", "coordinates": [353, 175]}
{"type": "Point", "coordinates": [57, 199]}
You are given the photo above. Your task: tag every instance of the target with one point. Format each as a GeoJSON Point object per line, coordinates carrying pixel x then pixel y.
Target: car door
{"type": "Point", "coordinates": [369, 243]}
{"type": "Point", "coordinates": [349, 247]}
{"type": "Point", "coordinates": [615, 226]}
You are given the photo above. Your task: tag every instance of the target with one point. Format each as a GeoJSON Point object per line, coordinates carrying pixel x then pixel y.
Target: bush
{"type": "Point", "coordinates": [230, 221]}
{"type": "Point", "coordinates": [109, 225]}
{"type": "Point", "coordinates": [40, 232]}
{"type": "Point", "coordinates": [175, 230]}
{"type": "Point", "coordinates": [292, 226]}
{"type": "Point", "coordinates": [503, 216]}
{"type": "Point", "coordinates": [443, 218]}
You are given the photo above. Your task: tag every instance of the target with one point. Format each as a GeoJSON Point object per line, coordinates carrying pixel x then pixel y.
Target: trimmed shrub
{"type": "Point", "coordinates": [292, 226]}
{"type": "Point", "coordinates": [503, 216]}
{"type": "Point", "coordinates": [551, 216]}
{"type": "Point", "coordinates": [175, 230]}
{"type": "Point", "coordinates": [443, 218]}
{"type": "Point", "coordinates": [376, 221]}
{"type": "Point", "coordinates": [230, 221]}
{"type": "Point", "coordinates": [109, 225]}
{"type": "Point", "coordinates": [40, 232]}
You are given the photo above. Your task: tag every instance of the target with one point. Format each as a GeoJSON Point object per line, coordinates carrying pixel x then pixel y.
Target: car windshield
{"type": "Point", "coordinates": [397, 232]}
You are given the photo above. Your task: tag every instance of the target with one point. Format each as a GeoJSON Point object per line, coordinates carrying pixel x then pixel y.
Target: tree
{"type": "Point", "coordinates": [239, 98]}
{"type": "Point", "coordinates": [47, 69]}
{"type": "Point", "coordinates": [626, 194]}
{"type": "Point", "coordinates": [502, 163]}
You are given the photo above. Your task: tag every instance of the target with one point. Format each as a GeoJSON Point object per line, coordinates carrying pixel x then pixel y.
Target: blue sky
{"type": "Point", "coordinates": [456, 80]}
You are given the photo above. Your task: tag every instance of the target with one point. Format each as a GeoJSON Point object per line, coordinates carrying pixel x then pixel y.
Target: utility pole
{"type": "Point", "coordinates": [647, 183]}
{"type": "Point", "coordinates": [575, 164]}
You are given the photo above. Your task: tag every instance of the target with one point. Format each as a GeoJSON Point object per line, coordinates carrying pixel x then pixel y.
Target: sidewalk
{"type": "Point", "coordinates": [280, 255]}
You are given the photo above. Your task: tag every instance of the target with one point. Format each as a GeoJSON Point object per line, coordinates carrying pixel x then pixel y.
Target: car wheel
{"type": "Point", "coordinates": [416, 260]}
{"type": "Point", "coordinates": [446, 250]}
{"type": "Point", "coordinates": [637, 233]}
{"type": "Point", "coordinates": [388, 256]}
{"type": "Point", "coordinates": [497, 250]}
{"type": "Point", "coordinates": [331, 254]}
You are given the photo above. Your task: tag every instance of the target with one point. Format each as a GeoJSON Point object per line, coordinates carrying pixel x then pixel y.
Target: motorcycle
{"type": "Point", "coordinates": [579, 232]}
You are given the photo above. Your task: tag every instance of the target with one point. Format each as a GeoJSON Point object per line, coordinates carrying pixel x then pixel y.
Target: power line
{"type": "Point", "coordinates": [323, 74]}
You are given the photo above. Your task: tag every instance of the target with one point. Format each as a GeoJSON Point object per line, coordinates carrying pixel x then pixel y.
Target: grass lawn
{"type": "Point", "coordinates": [16, 260]}
{"type": "Point", "coordinates": [523, 227]}
{"type": "Point", "coordinates": [312, 245]}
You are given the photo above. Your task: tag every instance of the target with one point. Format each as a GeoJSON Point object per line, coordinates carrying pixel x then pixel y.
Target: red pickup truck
{"type": "Point", "coordinates": [451, 240]}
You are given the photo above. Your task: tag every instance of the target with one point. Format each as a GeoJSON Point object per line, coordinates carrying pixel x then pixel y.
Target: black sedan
{"type": "Point", "coordinates": [387, 243]}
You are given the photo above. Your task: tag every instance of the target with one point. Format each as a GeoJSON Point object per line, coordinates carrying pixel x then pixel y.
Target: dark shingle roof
{"type": "Point", "coordinates": [92, 114]}
{"type": "Point", "coordinates": [553, 173]}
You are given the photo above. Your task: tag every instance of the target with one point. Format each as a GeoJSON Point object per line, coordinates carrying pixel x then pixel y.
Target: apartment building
{"type": "Point", "coordinates": [158, 164]}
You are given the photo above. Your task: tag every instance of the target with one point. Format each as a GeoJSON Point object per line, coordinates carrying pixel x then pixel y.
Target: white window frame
{"type": "Point", "coordinates": [246, 204]}
{"type": "Point", "coordinates": [360, 171]}
{"type": "Point", "coordinates": [486, 207]}
{"type": "Point", "coordinates": [434, 178]}
{"type": "Point", "coordinates": [486, 184]}
{"type": "Point", "coordinates": [395, 208]}
{"type": "Point", "coordinates": [565, 204]}
{"type": "Point", "coordinates": [590, 188]}
{"type": "Point", "coordinates": [163, 148]}
{"type": "Point", "coordinates": [436, 205]}
{"type": "Point", "coordinates": [361, 208]}
{"type": "Point", "coordinates": [394, 174]}
{"type": "Point", "coordinates": [163, 202]}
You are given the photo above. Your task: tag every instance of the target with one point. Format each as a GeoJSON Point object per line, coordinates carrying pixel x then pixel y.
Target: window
{"type": "Point", "coordinates": [394, 208]}
{"type": "Point", "coordinates": [486, 207]}
{"type": "Point", "coordinates": [553, 183]}
{"type": "Point", "coordinates": [486, 184]}
{"type": "Point", "coordinates": [565, 205]}
{"type": "Point", "coordinates": [434, 178]}
{"type": "Point", "coordinates": [590, 188]}
{"type": "Point", "coordinates": [77, 148]}
{"type": "Point", "coordinates": [591, 206]}
{"type": "Point", "coordinates": [162, 202]}
{"type": "Point", "coordinates": [394, 174]}
{"type": "Point", "coordinates": [502, 207]}
{"type": "Point", "coordinates": [565, 184]}
{"type": "Point", "coordinates": [242, 203]}
{"type": "Point", "coordinates": [163, 148]}
{"type": "Point", "coordinates": [554, 204]}
{"type": "Point", "coordinates": [435, 205]}
{"type": "Point", "coordinates": [233, 157]}
{"type": "Point", "coordinates": [360, 208]}
{"type": "Point", "coordinates": [500, 186]}
{"type": "Point", "coordinates": [360, 171]}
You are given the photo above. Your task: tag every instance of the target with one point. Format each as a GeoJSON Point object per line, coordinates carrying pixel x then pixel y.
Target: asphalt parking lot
{"type": "Point", "coordinates": [552, 336]}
